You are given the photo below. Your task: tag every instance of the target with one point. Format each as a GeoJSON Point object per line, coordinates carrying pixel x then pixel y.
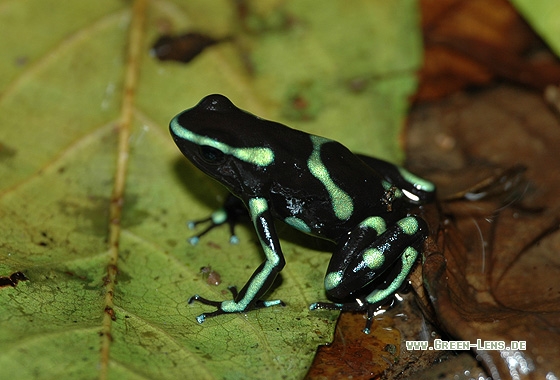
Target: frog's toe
{"type": "Point", "coordinates": [261, 304]}
{"type": "Point", "coordinates": [197, 298]}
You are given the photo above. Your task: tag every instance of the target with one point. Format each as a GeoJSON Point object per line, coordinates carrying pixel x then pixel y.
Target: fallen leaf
{"type": "Point", "coordinates": [493, 275]}
{"type": "Point", "coordinates": [475, 42]}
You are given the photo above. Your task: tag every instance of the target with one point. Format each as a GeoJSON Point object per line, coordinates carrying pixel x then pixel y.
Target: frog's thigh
{"type": "Point", "coordinates": [366, 255]}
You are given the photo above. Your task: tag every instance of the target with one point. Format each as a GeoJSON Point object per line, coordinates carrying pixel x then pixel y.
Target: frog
{"type": "Point", "coordinates": [364, 205]}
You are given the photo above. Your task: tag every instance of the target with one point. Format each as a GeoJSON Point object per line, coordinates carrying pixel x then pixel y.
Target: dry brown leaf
{"type": "Point", "coordinates": [472, 42]}
{"type": "Point", "coordinates": [494, 275]}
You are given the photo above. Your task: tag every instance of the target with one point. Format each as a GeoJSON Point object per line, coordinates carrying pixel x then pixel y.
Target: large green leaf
{"type": "Point", "coordinates": [94, 195]}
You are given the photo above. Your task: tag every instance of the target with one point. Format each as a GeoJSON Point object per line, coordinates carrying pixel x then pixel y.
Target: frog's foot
{"type": "Point", "coordinates": [202, 317]}
{"type": "Point", "coordinates": [232, 212]}
{"type": "Point", "coordinates": [215, 220]}
{"type": "Point", "coordinates": [360, 305]}
{"type": "Point", "coordinates": [219, 305]}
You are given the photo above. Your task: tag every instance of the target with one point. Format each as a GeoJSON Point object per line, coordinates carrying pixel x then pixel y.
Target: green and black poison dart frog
{"type": "Point", "coordinates": [317, 186]}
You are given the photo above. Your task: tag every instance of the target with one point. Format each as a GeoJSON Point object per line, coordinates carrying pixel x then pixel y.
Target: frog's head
{"type": "Point", "coordinates": [224, 141]}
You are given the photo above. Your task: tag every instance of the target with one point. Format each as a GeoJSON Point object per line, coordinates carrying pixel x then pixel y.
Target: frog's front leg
{"type": "Point", "coordinates": [248, 298]}
{"type": "Point", "coordinates": [375, 257]}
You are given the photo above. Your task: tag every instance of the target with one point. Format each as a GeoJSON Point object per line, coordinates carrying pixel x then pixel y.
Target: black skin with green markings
{"type": "Point", "coordinates": [316, 185]}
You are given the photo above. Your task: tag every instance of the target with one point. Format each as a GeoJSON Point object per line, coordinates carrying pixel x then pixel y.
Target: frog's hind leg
{"type": "Point", "coordinates": [377, 269]}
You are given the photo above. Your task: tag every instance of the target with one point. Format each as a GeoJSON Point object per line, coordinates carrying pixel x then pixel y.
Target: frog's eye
{"type": "Point", "coordinates": [211, 155]}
